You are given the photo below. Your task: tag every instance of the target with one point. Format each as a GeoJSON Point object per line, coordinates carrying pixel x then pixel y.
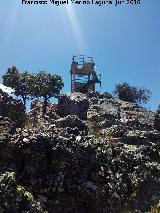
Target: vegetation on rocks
{"type": "Point", "coordinates": [47, 86]}
{"type": "Point", "coordinates": [28, 85]}
{"type": "Point", "coordinates": [20, 82]}
{"type": "Point", "coordinates": [126, 92]}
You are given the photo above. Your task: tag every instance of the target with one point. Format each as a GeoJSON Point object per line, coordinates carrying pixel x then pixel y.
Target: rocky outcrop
{"type": "Point", "coordinates": [108, 162]}
{"type": "Point", "coordinates": [74, 104]}
{"type": "Point", "coordinates": [12, 109]}
{"type": "Point", "coordinates": [71, 172]}
{"type": "Point", "coordinates": [7, 126]}
{"type": "Point", "coordinates": [73, 122]}
{"type": "Point", "coordinates": [103, 109]}
{"type": "Point", "coordinates": [36, 110]}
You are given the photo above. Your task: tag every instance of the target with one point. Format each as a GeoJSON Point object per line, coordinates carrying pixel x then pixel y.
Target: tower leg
{"type": "Point", "coordinates": [71, 84]}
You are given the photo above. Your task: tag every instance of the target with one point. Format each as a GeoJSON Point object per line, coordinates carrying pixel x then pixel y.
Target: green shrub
{"type": "Point", "coordinates": [129, 93]}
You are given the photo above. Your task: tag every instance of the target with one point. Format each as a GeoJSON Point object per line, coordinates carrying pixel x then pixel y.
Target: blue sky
{"type": "Point", "coordinates": [124, 41]}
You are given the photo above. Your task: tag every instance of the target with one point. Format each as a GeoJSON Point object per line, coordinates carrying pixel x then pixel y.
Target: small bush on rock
{"type": "Point", "coordinates": [129, 93]}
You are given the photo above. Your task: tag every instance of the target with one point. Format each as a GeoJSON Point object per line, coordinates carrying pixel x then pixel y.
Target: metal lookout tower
{"type": "Point", "coordinates": [84, 75]}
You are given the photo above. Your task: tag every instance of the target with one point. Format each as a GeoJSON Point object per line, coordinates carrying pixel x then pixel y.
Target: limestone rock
{"type": "Point", "coordinates": [105, 160]}
{"type": "Point", "coordinates": [74, 104]}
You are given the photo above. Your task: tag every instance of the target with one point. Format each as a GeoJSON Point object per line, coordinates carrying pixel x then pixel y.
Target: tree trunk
{"type": "Point", "coordinates": [24, 102]}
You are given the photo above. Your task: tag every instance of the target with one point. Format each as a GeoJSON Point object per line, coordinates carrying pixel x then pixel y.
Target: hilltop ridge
{"type": "Point", "coordinates": [88, 153]}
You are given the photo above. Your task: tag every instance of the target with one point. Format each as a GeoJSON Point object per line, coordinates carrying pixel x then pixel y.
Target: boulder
{"type": "Point", "coordinates": [74, 104]}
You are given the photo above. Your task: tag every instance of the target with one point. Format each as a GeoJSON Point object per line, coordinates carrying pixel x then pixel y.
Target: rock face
{"type": "Point", "coordinates": [74, 104]}
{"type": "Point", "coordinates": [18, 199]}
{"type": "Point", "coordinates": [108, 162]}
{"type": "Point", "coordinates": [37, 109]}
{"type": "Point", "coordinates": [72, 122]}
{"type": "Point", "coordinates": [12, 109]}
